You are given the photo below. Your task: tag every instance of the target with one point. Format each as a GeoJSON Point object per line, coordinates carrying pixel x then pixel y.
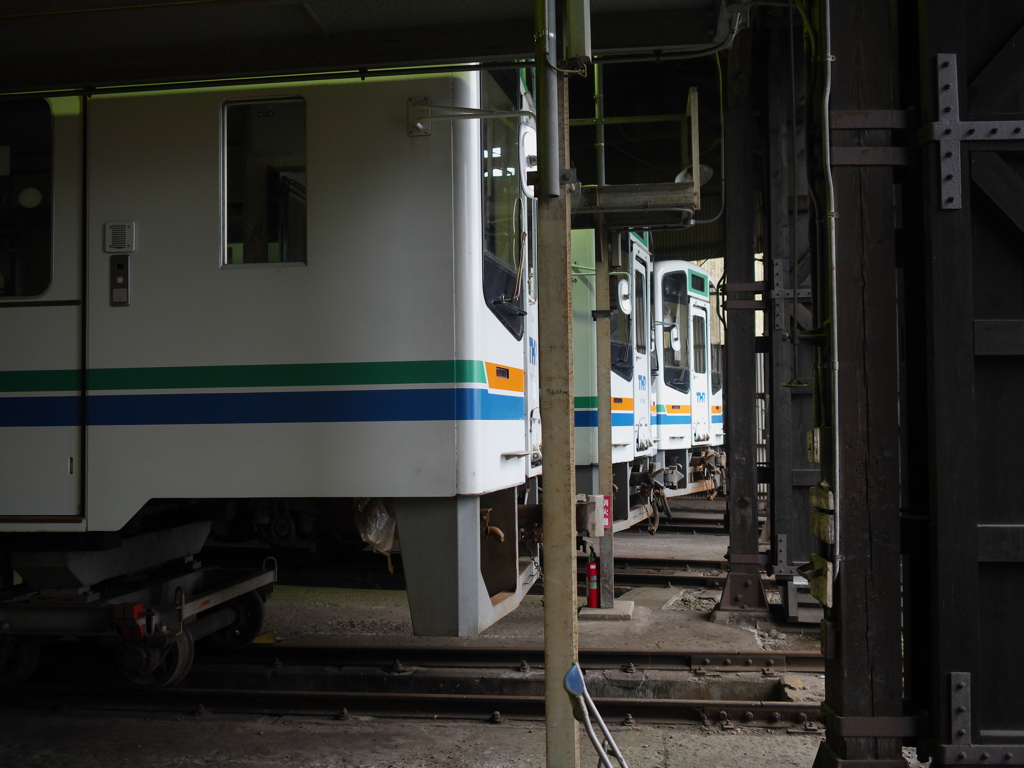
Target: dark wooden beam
{"type": "Point", "coordinates": [1000, 81]}
{"type": "Point", "coordinates": [864, 672]}
{"type": "Point", "coordinates": [1000, 183]}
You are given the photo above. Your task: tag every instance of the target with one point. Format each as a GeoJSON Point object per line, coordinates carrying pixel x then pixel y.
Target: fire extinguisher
{"type": "Point", "coordinates": [593, 593]}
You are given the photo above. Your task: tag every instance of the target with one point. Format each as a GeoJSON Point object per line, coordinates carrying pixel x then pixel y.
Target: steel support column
{"type": "Point", "coordinates": [742, 590]}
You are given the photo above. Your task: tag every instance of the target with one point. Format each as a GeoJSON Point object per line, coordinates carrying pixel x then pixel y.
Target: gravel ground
{"type": "Point", "coordinates": [107, 741]}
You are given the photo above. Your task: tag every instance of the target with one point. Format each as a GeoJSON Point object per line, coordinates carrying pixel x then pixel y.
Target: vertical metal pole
{"type": "Point", "coordinates": [604, 362]}
{"type": "Point", "coordinates": [556, 400]}
{"type": "Point", "coordinates": [604, 410]}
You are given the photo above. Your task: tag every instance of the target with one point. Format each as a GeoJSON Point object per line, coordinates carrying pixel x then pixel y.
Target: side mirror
{"type": "Point", "coordinates": [674, 340]}
{"type": "Point", "coordinates": [625, 303]}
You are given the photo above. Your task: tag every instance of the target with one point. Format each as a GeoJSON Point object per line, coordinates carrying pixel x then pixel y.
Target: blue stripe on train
{"type": "Point", "coordinates": [265, 408]}
{"type": "Point", "coordinates": [589, 419]}
{"type": "Point", "coordinates": [672, 420]}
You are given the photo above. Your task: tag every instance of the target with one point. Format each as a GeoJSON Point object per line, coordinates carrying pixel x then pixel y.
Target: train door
{"type": "Point", "coordinates": [40, 308]}
{"type": "Point", "coordinates": [528, 160]}
{"type": "Point", "coordinates": [700, 402]}
{"type": "Point", "coordinates": [641, 351]}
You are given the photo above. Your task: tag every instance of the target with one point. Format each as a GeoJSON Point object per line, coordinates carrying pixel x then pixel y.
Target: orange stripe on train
{"type": "Point", "coordinates": [505, 377]}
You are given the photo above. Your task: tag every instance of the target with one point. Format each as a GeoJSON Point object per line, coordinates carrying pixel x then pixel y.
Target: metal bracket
{"type": "Point", "coordinates": [603, 313]}
{"type": "Point", "coordinates": [568, 178]}
{"type": "Point", "coordinates": [961, 751]}
{"type": "Point", "coordinates": [949, 131]}
{"type": "Point", "coordinates": [421, 113]}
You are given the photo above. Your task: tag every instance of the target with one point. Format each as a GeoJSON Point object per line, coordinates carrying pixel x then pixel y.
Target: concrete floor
{"type": "Point", "coordinates": [662, 618]}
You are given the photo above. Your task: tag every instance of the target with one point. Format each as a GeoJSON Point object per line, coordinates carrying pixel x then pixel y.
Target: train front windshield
{"type": "Point", "coordinates": [675, 328]}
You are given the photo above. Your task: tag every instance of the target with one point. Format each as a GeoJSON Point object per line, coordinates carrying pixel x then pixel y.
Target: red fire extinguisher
{"type": "Point", "coordinates": [593, 593]}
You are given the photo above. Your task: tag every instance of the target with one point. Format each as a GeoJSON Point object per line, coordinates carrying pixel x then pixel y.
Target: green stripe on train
{"type": "Point", "coordinates": [223, 376]}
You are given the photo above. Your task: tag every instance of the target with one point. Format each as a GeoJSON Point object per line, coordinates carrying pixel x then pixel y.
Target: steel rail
{"type": "Point", "coordinates": [794, 716]}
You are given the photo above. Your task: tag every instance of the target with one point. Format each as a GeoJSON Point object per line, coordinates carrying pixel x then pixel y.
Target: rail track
{"type": "Point", "coordinates": [441, 683]}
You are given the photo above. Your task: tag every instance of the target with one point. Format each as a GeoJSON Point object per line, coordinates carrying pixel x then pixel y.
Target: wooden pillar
{"type": "Point", "coordinates": [862, 628]}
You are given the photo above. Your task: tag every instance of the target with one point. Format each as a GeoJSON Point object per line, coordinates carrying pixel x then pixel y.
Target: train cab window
{"type": "Point", "coordinates": [621, 325]}
{"type": "Point", "coordinates": [265, 182]}
{"type": "Point", "coordinates": [505, 243]}
{"type": "Point", "coordinates": [674, 330]}
{"type": "Point", "coordinates": [26, 184]}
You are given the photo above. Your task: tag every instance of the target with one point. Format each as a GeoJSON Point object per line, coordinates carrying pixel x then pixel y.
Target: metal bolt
{"type": "Point", "coordinates": [524, 666]}
{"type": "Point", "coordinates": [962, 756]}
{"type": "Point", "coordinates": [949, 177]}
{"type": "Point", "coordinates": [970, 131]}
{"type": "Point", "coordinates": [749, 662]}
{"type": "Point", "coordinates": [961, 709]}
{"type": "Point", "coordinates": [960, 686]}
{"type": "Point", "coordinates": [776, 717]}
{"type": "Point", "coordinates": [707, 661]}
{"type": "Point", "coordinates": [949, 199]}
{"type": "Point", "coordinates": [747, 583]}
{"type": "Point", "coordinates": [948, 154]}
{"type": "Point", "coordinates": [961, 732]}
{"type": "Point", "coordinates": [727, 662]}
{"type": "Point", "coordinates": [946, 87]}
{"type": "Point", "coordinates": [1016, 129]}
{"type": "Point", "coordinates": [947, 109]}
{"type": "Point", "coordinates": [945, 64]}
{"type": "Point", "coordinates": [496, 717]}
{"type": "Point", "coordinates": [948, 131]}
{"type": "Point", "coordinates": [994, 130]}
{"type": "Point", "coordinates": [343, 715]}
{"type": "Point", "coordinates": [1008, 756]}
{"type": "Point", "coordinates": [398, 667]}
{"type": "Point", "coordinates": [723, 715]}
{"type": "Point", "coordinates": [984, 755]}
{"type": "Point", "coordinates": [771, 662]}
{"type": "Point", "coordinates": [629, 668]}
{"type": "Point", "coordinates": [629, 720]}
{"type": "Point", "coordinates": [801, 717]}
{"type": "Point", "coordinates": [748, 717]}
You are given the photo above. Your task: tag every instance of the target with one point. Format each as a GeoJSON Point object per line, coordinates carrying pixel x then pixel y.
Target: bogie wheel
{"type": "Point", "coordinates": [246, 629]}
{"type": "Point", "coordinates": [174, 664]}
{"type": "Point", "coordinates": [18, 658]}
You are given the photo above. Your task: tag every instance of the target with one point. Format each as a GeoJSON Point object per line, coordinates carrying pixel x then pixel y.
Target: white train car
{"type": "Point", "coordinates": [632, 405]}
{"type": "Point", "coordinates": [255, 306]}
{"type": "Point", "coordinates": [689, 418]}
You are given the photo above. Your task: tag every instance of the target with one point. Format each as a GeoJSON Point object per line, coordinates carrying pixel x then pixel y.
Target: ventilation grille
{"type": "Point", "coordinates": [120, 236]}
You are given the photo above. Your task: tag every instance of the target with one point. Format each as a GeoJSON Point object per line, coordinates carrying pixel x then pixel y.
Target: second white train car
{"type": "Point", "coordinates": [632, 401]}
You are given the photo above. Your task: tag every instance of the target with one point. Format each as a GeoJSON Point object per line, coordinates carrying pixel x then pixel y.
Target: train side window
{"type": "Point", "coordinates": [700, 344]}
{"type": "Point", "coordinates": [640, 312]}
{"type": "Point", "coordinates": [265, 182]}
{"type": "Point", "coordinates": [505, 243]}
{"type": "Point", "coordinates": [26, 193]}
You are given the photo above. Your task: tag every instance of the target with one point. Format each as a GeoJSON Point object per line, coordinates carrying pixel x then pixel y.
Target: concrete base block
{"type": "Point", "coordinates": [622, 611]}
